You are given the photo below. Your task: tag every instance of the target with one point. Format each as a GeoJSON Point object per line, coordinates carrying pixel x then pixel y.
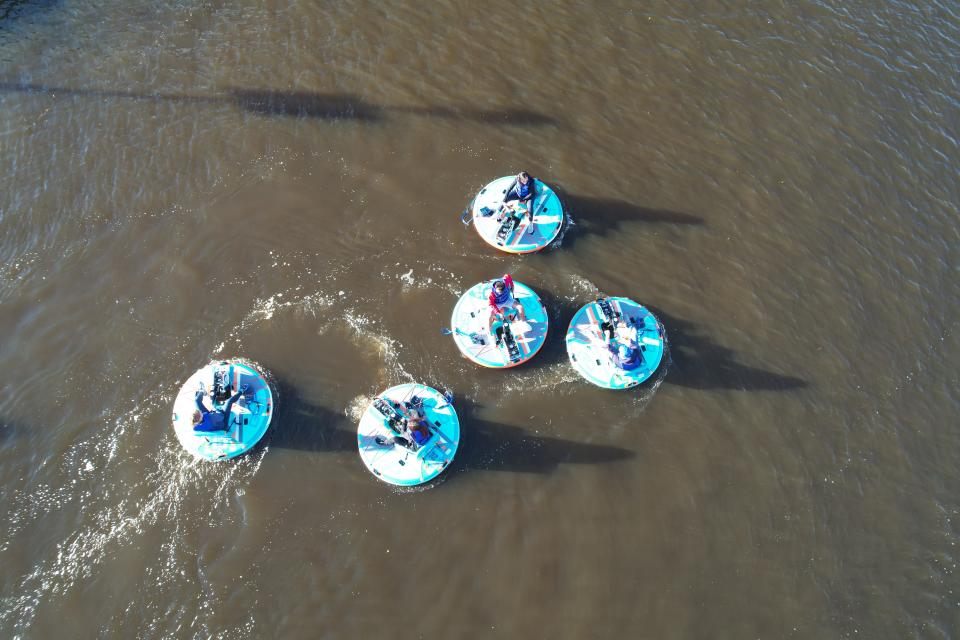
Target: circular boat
{"type": "Point", "coordinates": [238, 404]}
{"type": "Point", "coordinates": [404, 462]}
{"type": "Point", "coordinates": [513, 234]}
{"type": "Point", "coordinates": [520, 339]}
{"type": "Point", "coordinates": [592, 352]}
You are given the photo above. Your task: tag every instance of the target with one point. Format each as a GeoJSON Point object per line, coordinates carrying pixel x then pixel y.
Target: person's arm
{"type": "Point", "coordinates": [614, 355]}
{"type": "Point", "coordinates": [508, 281]}
{"type": "Point", "coordinates": [200, 407]}
{"type": "Point", "coordinates": [493, 302]}
{"type": "Point", "coordinates": [513, 185]}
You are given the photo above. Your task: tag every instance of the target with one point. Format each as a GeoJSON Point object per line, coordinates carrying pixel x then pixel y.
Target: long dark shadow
{"type": "Point", "coordinates": [701, 363]}
{"type": "Point", "coordinates": [305, 104]}
{"type": "Point", "coordinates": [602, 216]}
{"type": "Point", "coordinates": [492, 446]}
{"type": "Point", "coordinates": [299, 104]}
{"type": "Point", "coordinates": [515, 117]}
{"type": "Point", "coordinates": [304, 426]}
{"type": "Point", "coordinates": [14, 9]}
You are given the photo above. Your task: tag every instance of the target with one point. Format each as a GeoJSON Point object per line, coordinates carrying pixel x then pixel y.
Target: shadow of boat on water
{"type": "Point", "coordinates": [299, 104]}
{"type": "Point", "coordinates": [303, 426]}
{"type": "Point", "coordinates": [698, 362]}
{"type": "Point", "coordinates": [607, 217]}
{"type": "Point", "coordinates": [494, 446]}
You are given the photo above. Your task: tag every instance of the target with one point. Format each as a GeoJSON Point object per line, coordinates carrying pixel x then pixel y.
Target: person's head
{"type": "Point", "coordinates": [197, 418]}
{"type": "Point", "coordinates": [523, 177]}
{"type": "Point", "coordinates": [624, 351]}
{"type": "Point", "coordinates": [499, 286]}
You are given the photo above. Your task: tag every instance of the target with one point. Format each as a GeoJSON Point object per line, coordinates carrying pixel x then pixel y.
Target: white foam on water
{"type": "Point", "coordinates": [387, 348]}
{"type": "Point", "coordinates": [424, 275]}
{"type": "Point", "coordinates": [117, 514]}
{"type": "Point", "coordinates": [557, 377]}
{"type": "Point", "coordinates": [355, 408]}
{"type": "Point", "coordinates": [264, 310]}
{"type": "Point", "coordinates": [582, 288]}
{"type": "Point", "coordinates": [363, 327]}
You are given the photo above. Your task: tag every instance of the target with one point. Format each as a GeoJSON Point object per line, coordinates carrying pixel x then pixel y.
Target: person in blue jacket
{"type": "Point", "coordinates": [522, 192]}
{"type": "Point", "coordinates": [205, 420]}
{"type": "Point", "coordinates": [626, 356]}
{"type": "Point", "coordinates": [415, 431]}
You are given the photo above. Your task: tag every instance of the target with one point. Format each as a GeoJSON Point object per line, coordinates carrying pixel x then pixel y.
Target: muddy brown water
{"type": "Point", "coordinates": [282, 180]}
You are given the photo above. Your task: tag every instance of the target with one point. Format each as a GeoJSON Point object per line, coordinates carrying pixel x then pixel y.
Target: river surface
{"type": "Point", "coordinates": [282, 180]}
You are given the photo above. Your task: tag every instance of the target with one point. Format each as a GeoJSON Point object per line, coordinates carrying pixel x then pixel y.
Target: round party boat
{"type": "Point", "coordinates": [223, 409]}
{"type": "Point", "coordinates": [513, 341]}
{"type": "Point", "coordinates": [615, 343]}
{"type": "Point", "coordinates": [513, 233]}
{"type": "Point", "coordinates": [386, 445]}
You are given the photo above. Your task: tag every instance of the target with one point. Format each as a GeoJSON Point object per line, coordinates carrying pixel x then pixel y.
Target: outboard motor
{"type": "Point", "coordinates": [609, 314]}
{"type": "Point", "coordinates": [221, 388]}
{"type": "Point", "coordinates": [509, 223]}
{"type": "Point", "coordinates": [513, 349]}
{"type": "Point", "coordinates": [392, 416]}
{"type": "Point", "coordinates": [609, 317]}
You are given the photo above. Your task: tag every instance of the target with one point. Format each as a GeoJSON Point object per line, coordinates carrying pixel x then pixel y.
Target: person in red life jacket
{"type": "Point", "coordinates": [522, 192]}
{"type": "Point", "coordinates": [502, 300]}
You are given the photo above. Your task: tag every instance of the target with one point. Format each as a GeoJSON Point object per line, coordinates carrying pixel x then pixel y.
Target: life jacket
{"type": "Point", "coordinates": [523, 190]}
{"type": "Point", "coordinates": [419, 433]}
{"type": "Point", "coordinates": [629, 357]}
{"type": "Point", "coordinates": [504, 297]}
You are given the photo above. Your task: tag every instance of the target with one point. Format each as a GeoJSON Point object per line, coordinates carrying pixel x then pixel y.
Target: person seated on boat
{"type": "Point", "coordinates": [210, 419]}
{"type": "Point", "coordinates": [522, 192]}
{"type": "Point", "coordinates": [618, 327]}
{"type": "Point", "coordinates": [501, 297]}
{"type": "Point", "coordinates": [415, 431]}
{"type": "Point", "coordinates": [626, 356]}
